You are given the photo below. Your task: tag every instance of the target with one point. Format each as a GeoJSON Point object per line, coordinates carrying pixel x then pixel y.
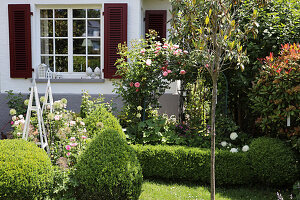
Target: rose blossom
{"type": "Point", "coordinates": [72, 139]}
{"type": "Point", "coordinates": [142, 51]}
{"type": "Point", "coordinates": [233, 150]}
{"type": "Point", "coordinates": [233, 135]}
{"type": "Point", "coordinates": [68, 147]}
{"type": "Point", "coordinates": [165, 74]}
{"type": "Point", "coordinates": [74, 144]}
{"type": "Point", "coordinates": [148, 62]}
{"type": "Point", "coordinates": [68, 154]}
{"type": "Point", "coordinates": [169, 71]}
{"type": "Point", "coordinates": [137, 84]}
{"type": "Point", "coordinates": [224, 143]}
{"type": "Point", "coordinates": [20, 116]}
{"type": "Point", "coordinates": [158, 44]}
{"type": "Point", "coordinates": [182, 72]}
{"type": "Point", "coordinates": [185, 52]}
{"type": "Point", "coordinates": [82, 123]}
{"type": "Point", "coordinates": [56, 117]}
{"type": "Point", "coordinates": [72, 123]}
{"type": "Point", "coordinates": [165, 45]}
{"type": "Point", "coordinates": [131, 84]}
{"type": "Point", "coordinates": [158, 48]}
{"type": "Point", "coordinates": [17, 123]}
{"type": "Point", "coordinates": [14, 118]}
{"type": "Point", "coordinates": [83, 137]}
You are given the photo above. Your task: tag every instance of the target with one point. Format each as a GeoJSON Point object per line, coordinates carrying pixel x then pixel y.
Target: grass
{"type": "Point", "coordinates": [157, 190]}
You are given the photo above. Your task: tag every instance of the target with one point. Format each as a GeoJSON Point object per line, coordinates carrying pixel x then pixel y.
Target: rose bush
{"type": "Point", "coordinates": [146, 70]}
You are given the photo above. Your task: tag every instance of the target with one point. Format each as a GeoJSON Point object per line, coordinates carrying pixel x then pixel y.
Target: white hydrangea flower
{"type": "Point", "coordinates": [138, 115]}
{"type": "Point", "coordinates": [233, 135]}
{"type": "Point", "coordinates": [245, 148]}
{"type": "Point", "coordinates": [233, 150]}
{"type": "Point", "coordinates": [223, 143]}
{"type": "Point", "coordinates": [21, 117]}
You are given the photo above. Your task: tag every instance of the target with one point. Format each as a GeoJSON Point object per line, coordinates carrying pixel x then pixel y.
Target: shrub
{"type": "Point", "coordinates": [25, 170]}
{"type": "Point", "coordinates": [108, 169]}
{"type": "Point", "coordinates": [273, 162]}
{"type": "Point", "coordinates": [193, 164]}
{"type": "Point", "coordinates": [101, 118]}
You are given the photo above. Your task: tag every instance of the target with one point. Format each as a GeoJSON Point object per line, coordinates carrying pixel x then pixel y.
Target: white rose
{"type": "Point", "coordinates": [20, 116]}
{"type": "Point", "coordinates": [138, 115]}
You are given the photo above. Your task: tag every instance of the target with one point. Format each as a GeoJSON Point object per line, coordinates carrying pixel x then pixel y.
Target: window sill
{"type": "Point", "coordinates": [70, 80]}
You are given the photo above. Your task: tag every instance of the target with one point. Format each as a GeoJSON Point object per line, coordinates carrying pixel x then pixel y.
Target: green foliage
{"type": "Point", "coordinates": [275, 95]}
{"type": "Point", "coordinates": [16, 101]}
{"type": "Point", "coordinates": [273, 162]}
{"type": "Point", "coordinates": [109, 169]}
{"type": "Point", "coordinates": [100, 118]}
{"type": "Point", "coordinates": [64, 185]}
{"type": "Point", "coordinates": [25, 170]}
{"type": "Point", "coordinates": [193, 164]}
{"type": "Point", "coordinates": [278, 23]}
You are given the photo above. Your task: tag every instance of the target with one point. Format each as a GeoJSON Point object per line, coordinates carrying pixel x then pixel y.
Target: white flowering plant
{"type": "Point", "coordinates": [66, 132]}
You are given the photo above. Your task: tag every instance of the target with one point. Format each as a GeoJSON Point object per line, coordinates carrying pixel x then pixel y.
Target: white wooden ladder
{"type": "Point", "coordinates": [37, 108]}
{"type": "Point", "coordinates": [48, 95]}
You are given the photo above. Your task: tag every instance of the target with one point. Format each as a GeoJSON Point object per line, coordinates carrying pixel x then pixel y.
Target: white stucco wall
{"type": "Point", "coordinates": [135, 30]}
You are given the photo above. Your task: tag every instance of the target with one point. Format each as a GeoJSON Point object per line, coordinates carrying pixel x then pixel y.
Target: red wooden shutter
{"type": "Point", "coordinates": [20, 40]}
{"type": "Point", "coordinates": [115, 32]}
{"type": "Point", "coordinates": [156, 20]}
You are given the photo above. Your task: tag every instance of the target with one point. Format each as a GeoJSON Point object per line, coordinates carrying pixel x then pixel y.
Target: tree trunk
{"type": "Point", "coordinates": [213, 136]}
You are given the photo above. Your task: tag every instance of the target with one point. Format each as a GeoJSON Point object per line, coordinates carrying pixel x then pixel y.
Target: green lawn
{"type": "Point", "coordinates": [156, 190]}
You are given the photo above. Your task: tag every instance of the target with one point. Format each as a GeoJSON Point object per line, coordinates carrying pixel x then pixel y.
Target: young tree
{"type": "Point", "coordinates": [208, 29]}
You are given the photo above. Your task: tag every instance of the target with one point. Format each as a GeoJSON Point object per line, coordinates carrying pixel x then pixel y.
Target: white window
{"type": "Point", "coordinates": [70, 38]}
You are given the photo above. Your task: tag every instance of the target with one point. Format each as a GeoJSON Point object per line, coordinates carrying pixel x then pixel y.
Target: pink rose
{"type": "Point", "coordinates": [83, 137]}
{"type": "Point", "coordinates": [158, 44]}
{"type": "Point", "coordinates": [185, 52]}
{"type": "Point", "coordinates": [82, 123]}
{"type": "Point", "coordinates": [176, 46]}
{"type": "Point", "coordinates": [12, 122]}
{"type": "Point", "coordinates": [206, 65]}
{"type": "Point", "coordinates": [148, 62]}
{"type": "Point", "coordinates": [165, 74]}
{"type": "Point", "coordinates": [137, 90]}
{"type": "Point", "coordinates": [176, 53]}
{"type": "Point", "coordinates": [74, 144]}
{"type": "Point", "coordinates": [165, 45]}
{"type": "Point", "coordinates": [72, 139]}
{"type": "Point", "coordinates": [158, 48]}
{"type": "Point", "coordinates": [169, 71]}
{"type": "Point", "coordinates": [131, 84]}
{"type": "Point", "coordinates": [56, 117]}
{"type": "Point", "coordinates": [156, 52]}
{"type": "Point", "coordinates": [182, 72]}
{"type": "Point", "coordinates": [68, 147]}
{"type": "Point", "coordinates": [68, 154]}
{"type": "Point", "coordinates": [142, 51]}
{"type": "Point", "coordinates": [137, 84]}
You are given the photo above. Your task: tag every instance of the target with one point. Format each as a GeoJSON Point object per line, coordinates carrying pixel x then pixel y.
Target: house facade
{"type": "Point", "coordinates": [77, 40]}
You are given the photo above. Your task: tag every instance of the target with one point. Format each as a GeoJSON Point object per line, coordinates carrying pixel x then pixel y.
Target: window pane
{"type": "Point", "coordinates": [94, 47]}
{"type": "Point", "coordinates": [48, 60]}
{"type": "Point", "coordinates": [46, 13]}
{"type": "Point", "coordinates": [61, 28]}
{"type": "Point", "coordinates": [93, 13]}
{"type": "Point", "coordinates": [79, 46]}
{"type": "Point", "coordinates": [93, 62]}
{"type": "Point", "coordinates": [61, 13]}
{"type": "Point", "coordinates": [46, 28]}
{"type": "Point", "coordinates": [79, 28]}
{"type": "Point", "coordinates": [93, 27]}
{"type": "Point", "coordinates": [46, 46]}
{"type": "Point", "coordinates": [79, 63]}
{"type": "Point", "coordinates": [79, 13]}
{"type": "Point", "coordinates": [61, 46]}
{"type": "Point", "coordinates": [61, 63]}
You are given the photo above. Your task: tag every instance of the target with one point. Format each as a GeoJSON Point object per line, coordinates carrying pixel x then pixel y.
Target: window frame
{"type": "Point", "coordinates": [70, 37]}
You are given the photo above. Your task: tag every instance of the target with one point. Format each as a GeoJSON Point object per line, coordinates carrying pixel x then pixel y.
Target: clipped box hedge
{"type": "Point", "coordinates": [193, 164]}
